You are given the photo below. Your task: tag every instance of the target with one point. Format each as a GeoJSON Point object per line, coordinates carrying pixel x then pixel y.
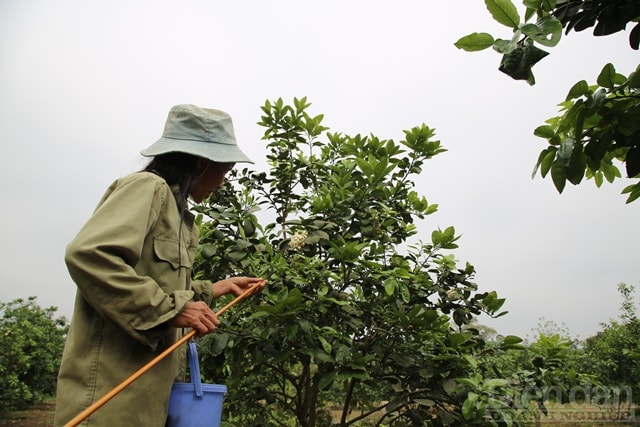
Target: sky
{"type": "Point", "coordinates": [84, 86]}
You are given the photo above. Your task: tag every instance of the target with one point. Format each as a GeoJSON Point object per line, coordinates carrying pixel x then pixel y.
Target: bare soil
{"type": "Point", "coordinates": [39, 415]}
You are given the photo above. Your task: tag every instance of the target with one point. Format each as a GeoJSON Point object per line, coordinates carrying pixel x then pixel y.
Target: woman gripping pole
{"type": "Point", "coordinates": [131, 263]}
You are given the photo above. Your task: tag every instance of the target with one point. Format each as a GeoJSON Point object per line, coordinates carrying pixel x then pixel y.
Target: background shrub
{"type": "Point", "coordinates": [31, 344]}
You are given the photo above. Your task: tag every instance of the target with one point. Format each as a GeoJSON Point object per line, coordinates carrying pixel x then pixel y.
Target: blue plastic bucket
{"type": "Point", "coordinates": [195, 404]}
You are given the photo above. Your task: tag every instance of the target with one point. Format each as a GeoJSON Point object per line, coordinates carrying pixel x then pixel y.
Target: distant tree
{"type": "Point", "coordinates": [613, 354]}
{"type": "Point", "coordinates": [600, 123]}
{"type": "Point", "coordinates": [355, 317]}
{"type": "Point", "coordinates": [628, 307]}
{"type": "Point", "coordinates": [550, 328]}
{"type": "Point", "coordinates": [534, 374]}
{"type": "Point", "coordinates": [31, 343]}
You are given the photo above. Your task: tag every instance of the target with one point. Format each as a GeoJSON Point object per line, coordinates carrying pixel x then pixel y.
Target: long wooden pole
{"type": "Point", "coordinates": [107, 397]}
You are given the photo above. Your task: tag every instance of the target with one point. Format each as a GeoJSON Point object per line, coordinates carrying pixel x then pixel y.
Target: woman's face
{"type": "Point", "coordinates": [211, 179]}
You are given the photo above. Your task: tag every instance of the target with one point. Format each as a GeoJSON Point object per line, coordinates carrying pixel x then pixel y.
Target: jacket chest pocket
{"type": "Point", "coordinates": [172, 252]}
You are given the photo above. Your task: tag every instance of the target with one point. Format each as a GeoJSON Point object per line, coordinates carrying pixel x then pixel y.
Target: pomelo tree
{"type": "Point", "coordinates": [366, 319]}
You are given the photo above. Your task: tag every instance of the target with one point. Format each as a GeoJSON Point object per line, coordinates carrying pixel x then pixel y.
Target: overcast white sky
{"type": "Point", "coordinates": [84, 86]}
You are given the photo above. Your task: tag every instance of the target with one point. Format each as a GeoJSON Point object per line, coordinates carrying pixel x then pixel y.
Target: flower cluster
{"type": "Point", "coordinates": [453, 294]}
{"type": "Point", "coordinates": [297, 240]}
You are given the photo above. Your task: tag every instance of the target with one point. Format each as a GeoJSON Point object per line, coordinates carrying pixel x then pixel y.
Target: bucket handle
{"type": "Point", "coordinates": [194, 368]}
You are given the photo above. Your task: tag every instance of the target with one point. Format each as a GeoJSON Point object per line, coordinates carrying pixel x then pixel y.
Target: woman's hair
{"type": "Point", "coordinates": [181, 169]}
{"type": "Point", "coordinates": [177, 168]}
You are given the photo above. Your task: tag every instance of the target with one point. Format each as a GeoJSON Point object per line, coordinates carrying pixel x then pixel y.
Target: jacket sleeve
{"type": "Point", "coordinates": [102, 258]}
{"type": "Point", "coordinates": [203, 291]}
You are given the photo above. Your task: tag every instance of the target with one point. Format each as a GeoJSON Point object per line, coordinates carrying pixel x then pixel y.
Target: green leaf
{"type": "Point", "coordinates": [598, 177]}
{"type": "Point", "coordinates": [495, 382]}
{"type": "Point", "coordinates": [610, 172]}
{"type": "Point", "coordinates": [404, 293]}
{"type": "Point", "coordinates": [545, 159]}
{"type": "Point", "coordinates": [425, 402]}
{"type": "Point", "coordinates": [263, 311]}
{"type": "Point", "coordinates": [326, 380]}
{"type": "Point", "coordinates": [347, 373]}
{"type": "Point", "coordinates": [449, 386]}
{"type": "Point", "coordinates": [598, 147]}
{"type": "Point", "coordinates": [322, 356]}
{"type": "Point", "coordinates": [475, 42]}
{"type": "Point", "coordinates": [492, 301]}
{"type": "Point", "coordinates": [305, 325]}
{"type": "Point", "coordinates": [629, 121]}
{"type": "Point", "coordinates": [547, 31]}
{"type": "Point", "coordinates": [449, 233]}
{"type": "Point", "coordinates": [582, 113]}
{"type": "Point", "coordinates": [237, 256]}
{"type": "Point", "coordinates": [579, 89]}
{"type": "Point", "coordinates": [532, 4]}
{"type": "Point", "coordinates": [334, 301]}
{"type": "Point", "coordinates": [633, 191]}
{"type": "Point", "coordinates": [455, 340]}
{"type": "Point", "coordinates": [504, 12]}
{"type": "Point", "coordinates": [436, 237]}
{"type": "Point", "coordinates": [364, 166]}
{"type": "Point", "coordinates": [558, 175]}
{"type": "Point", "coordinates": [504, 46]}
{"type": "Point", "coordinates": [511, 340]}
{"type": "Point", "coordinates": [294, 297]}
{"type": "Point", "coordinates": [390, 286]}
{"type": "Point", "coordinates": [467, 408]}
{"type": "Point", "coordinates": [633, 162]}
{"type": "Point", "coordinates": [544, 131]}
{"type": "Point", "coordinates": [607, 76]}
{"type": "Point", "coordinates": [316, 235]}
{"type": "Point", "coordinates": [577, 166]}
{"type": "Point", "coordinates": [219, 343]}
{"type": "Point", "coordinates": [325, 344]}
{"type": "Point", "coordinates": [292, 330]}
{"type": "Point", "coordinates": [634, 79]}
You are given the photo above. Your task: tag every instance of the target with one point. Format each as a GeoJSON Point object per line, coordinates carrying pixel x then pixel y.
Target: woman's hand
{"type": "Point", "coordinates": [196, 315]}
{"type": "Point", "coordinates": [236, 285]}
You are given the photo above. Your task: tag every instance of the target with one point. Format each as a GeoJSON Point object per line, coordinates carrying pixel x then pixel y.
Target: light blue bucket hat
{"type": "Point", "coordinates": [202, 132]}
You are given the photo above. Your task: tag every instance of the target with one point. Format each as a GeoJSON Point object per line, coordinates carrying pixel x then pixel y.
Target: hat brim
{"type": "Point", "coordinates": [220, 153]}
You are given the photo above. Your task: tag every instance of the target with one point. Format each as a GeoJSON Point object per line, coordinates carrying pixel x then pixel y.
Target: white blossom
{"type": "Point", "coordinates": [297, 240]}
{"type": "Point", "coordinates": [453, 294]}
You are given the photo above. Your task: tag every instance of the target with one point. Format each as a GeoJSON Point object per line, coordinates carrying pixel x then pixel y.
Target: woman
{"type": "Point", "coordinates": [132, 264]}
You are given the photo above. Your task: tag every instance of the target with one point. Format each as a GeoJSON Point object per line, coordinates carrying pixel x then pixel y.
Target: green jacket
{"type": "Point", "coordinates": [132, 264]}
